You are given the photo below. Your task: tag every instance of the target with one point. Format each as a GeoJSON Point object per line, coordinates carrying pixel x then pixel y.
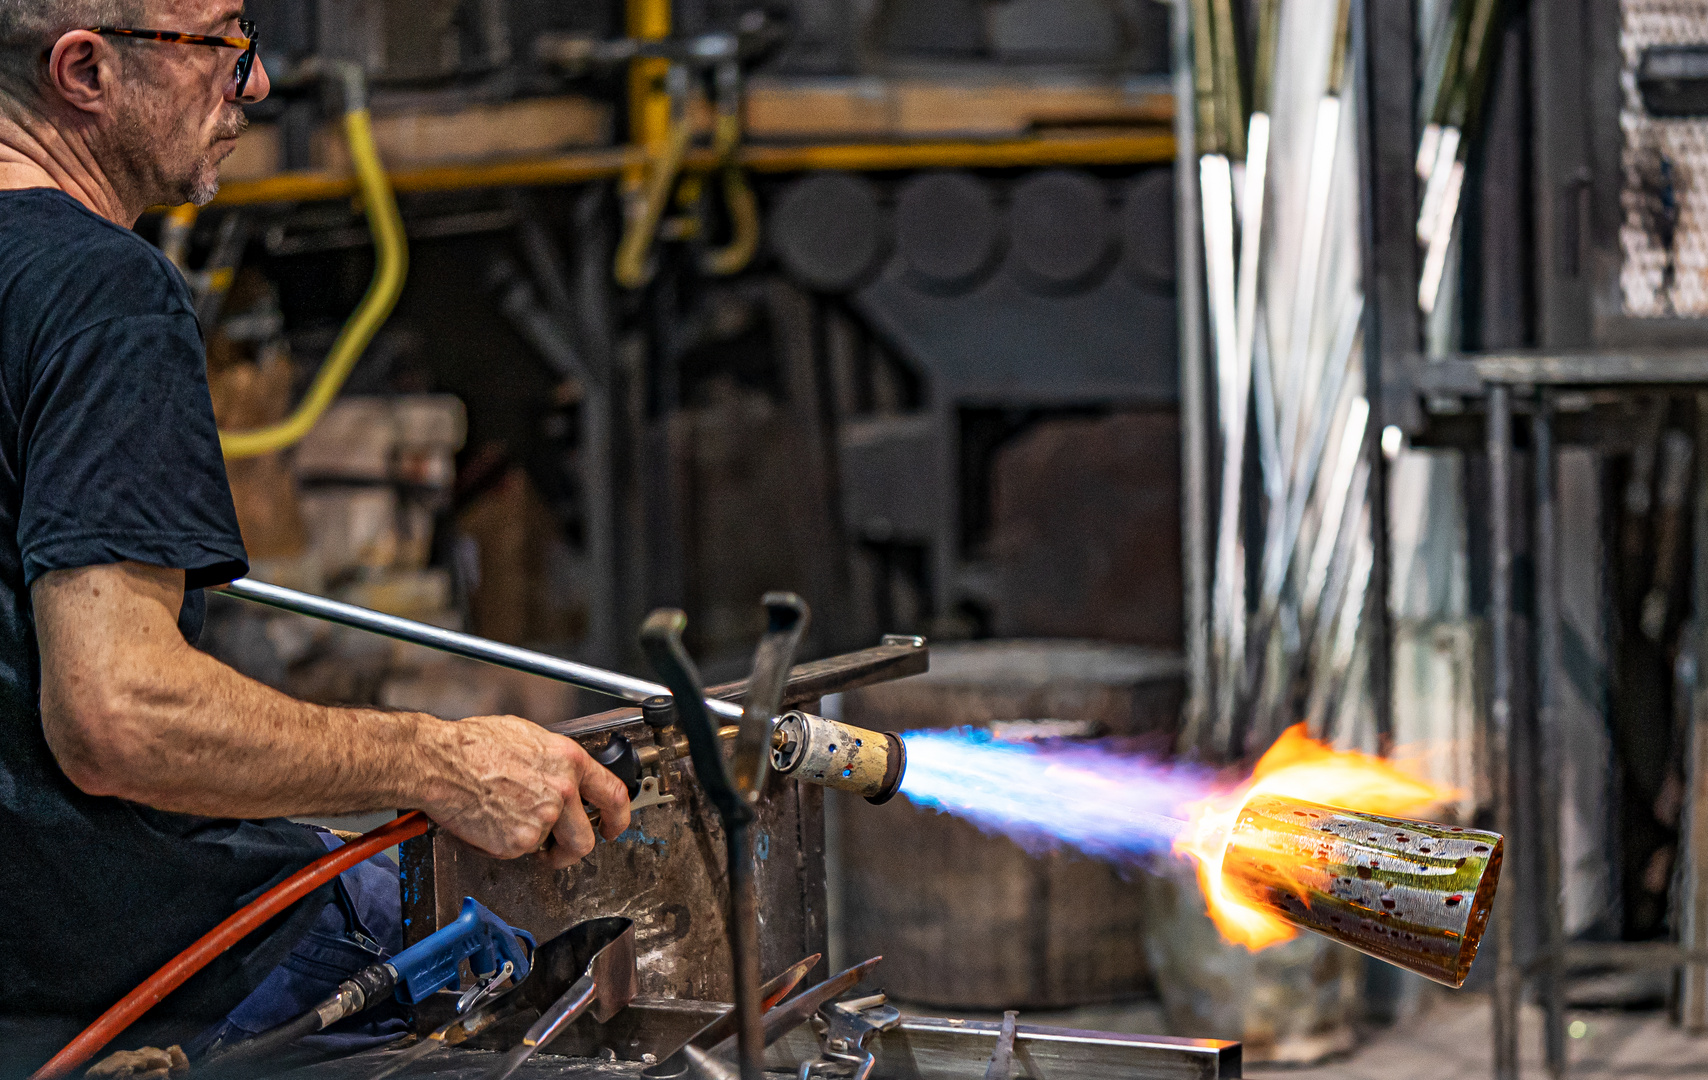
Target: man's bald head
{"type": "Point", "coordinates": [28, 28]}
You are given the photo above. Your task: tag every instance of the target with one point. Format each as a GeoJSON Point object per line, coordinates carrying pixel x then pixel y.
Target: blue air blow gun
{"type": "Point", "coordinates": [496, 951]}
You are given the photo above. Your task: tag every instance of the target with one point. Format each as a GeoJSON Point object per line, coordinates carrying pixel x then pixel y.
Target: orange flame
{"type": "Point", "coordinates": [1298, 767]}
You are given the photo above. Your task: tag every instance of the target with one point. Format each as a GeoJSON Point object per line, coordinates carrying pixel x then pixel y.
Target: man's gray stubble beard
{"type": "Point", "coordinates": [204, 180]}
{"type": "Point", "coordinates": [141, 137]}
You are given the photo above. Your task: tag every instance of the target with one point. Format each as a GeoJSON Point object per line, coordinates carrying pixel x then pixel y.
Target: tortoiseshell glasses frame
{"type": "Point", "coordinates": [249, 43]}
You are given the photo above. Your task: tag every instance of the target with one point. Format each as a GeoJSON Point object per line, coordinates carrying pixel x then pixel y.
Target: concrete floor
{"type": "Point", "coordinates": [1451, 1040]}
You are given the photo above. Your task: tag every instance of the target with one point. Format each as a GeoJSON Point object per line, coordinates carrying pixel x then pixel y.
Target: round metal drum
{"type": "Point", "coordinates": [830, 232]}
{"type": "Point", "coordinates": [1147, 229]}
{"type": "Point", "coordinates": [1062, 233]}
{"type": "Point", "coordinates": [968, 920]}
{"type": "Point", "coordinates": [948, 231]}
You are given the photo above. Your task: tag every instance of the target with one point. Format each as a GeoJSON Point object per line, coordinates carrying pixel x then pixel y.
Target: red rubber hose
{"type": "Point", "coordinates": [115, 1020]}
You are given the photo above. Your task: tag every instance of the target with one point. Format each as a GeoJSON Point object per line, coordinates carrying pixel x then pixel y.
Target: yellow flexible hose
{"type": "Point", "coordinates": [739, 200]}
{"type": "Point", "coordinates": [392, 265]}
{"type": "Point", "coordinates": [630, 269]}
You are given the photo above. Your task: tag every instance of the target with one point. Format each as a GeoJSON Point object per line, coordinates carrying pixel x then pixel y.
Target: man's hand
{"type": "Point", "coordinates": [130, 710]}
{"type": "Point", "coordinates": [508, 786]}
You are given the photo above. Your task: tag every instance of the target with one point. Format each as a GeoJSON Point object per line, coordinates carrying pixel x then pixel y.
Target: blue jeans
{"type": "Point", "coordinates": [361, 926]}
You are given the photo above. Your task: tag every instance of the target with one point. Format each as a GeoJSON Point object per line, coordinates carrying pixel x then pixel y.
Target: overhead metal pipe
{"type": "Point", "coordinates": [586, 676]}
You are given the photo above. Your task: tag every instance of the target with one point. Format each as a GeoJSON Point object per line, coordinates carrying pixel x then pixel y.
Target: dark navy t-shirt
{"type": "Point", "coordinates": [108, 453]}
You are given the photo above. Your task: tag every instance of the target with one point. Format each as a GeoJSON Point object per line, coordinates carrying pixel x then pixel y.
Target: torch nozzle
{"type": "Point", "coordinates": [837, 755]}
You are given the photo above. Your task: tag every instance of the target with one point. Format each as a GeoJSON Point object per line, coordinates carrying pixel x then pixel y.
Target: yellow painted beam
{"type": "Point", "coordinates": [582, 166]}
{"type": "Point", "coordinates": [649, 103]}
{"type": "Point", "coordinates": [1003, 154]}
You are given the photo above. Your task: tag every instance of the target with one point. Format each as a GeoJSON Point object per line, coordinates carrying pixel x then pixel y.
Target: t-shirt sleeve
{"type": "Point", "coordinates": [121, 457]}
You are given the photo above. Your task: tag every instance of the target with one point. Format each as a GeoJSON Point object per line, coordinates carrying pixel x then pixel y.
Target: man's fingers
{"type": "Point", "coordinates": [571, 838]}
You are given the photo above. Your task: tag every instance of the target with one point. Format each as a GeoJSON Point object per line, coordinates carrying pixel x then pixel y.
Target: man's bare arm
{"type": "Point", "coordinates": [131, 710]}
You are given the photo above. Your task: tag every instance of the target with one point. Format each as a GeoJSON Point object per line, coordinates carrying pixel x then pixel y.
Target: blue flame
{"type": "Point", "coordinates": [1043, 796]}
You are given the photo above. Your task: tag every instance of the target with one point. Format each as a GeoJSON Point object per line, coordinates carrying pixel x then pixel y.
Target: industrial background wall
{"type": "Point", "coordinates": [910, 405]}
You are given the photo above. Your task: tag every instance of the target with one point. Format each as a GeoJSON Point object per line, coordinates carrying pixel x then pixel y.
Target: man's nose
{"type": "Point", "coordinates": [259, 85]}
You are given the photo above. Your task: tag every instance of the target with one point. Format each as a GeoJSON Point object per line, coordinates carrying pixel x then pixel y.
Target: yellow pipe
{"type": "Point", "coordinates": [574, 168]}
{"type": "Point", "coordinates": [999, 154]}
{"type": "Point", "coordinates": [649, 104]}
{"type": "Point", "coordinates": [392, 264]}
{"type": "Point", "coordinates": [648, 209]}
{"type": "Point", "coordinates": [582, 166]}
{"type": "Point", "coordinates": [739, 201]}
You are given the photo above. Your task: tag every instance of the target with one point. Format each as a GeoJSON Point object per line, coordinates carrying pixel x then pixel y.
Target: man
{"type": "Point", "coordinates": [142, 784]}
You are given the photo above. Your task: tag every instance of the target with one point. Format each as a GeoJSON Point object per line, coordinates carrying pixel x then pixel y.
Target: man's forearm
{"type": "Point", "coordinates": [151, 719]}
{"type": "Point", "coordinates": [130, 710]}
{"type": "Point", "coordinates": [224, 745]}
{"type": "Point", "coordinates": [211, 741]}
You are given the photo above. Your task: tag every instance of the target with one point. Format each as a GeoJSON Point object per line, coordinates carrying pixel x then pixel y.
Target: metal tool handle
{"type": "Point", "coordinates": [785, 621]}
{"type": "Point", "coordinates": [661, 639]}
{"type": "Point", "coordinates": [549, 1026]}
{"type": "Point", "coordinates": [459, 644]}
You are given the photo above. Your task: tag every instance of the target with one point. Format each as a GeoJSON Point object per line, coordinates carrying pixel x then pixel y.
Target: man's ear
{"type": "Point", "coordinates": [83, 69]}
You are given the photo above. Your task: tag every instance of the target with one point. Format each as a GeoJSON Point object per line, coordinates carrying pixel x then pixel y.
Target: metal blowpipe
{"type": "Point", "coordinates": [806, 747]}
{"type": "Point", "coordinates": [451, 641]}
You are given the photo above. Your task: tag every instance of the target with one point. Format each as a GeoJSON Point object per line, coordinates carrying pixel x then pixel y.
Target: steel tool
{"type": "Point", "coordinates": [703, 1066]}
{"type": "Point", "coordinates": [602, 951]}
{"type": "Point", "coordinates": [1463, 52]}
{"type": "Point", "coordinates": [846, 1028]}
{"type": "Point", "coordinates": [456, 1031]}
{"type": "Point", "coordinates": [800, 1008]}
{"type": "Point", "coordinates": [733, 795]}
{"type": "Point", "coordinates": [1325, 143]}
{"type": "Point", "coordinates": [800, 745]}
{"type": "Point", "coordinates": [778, 988]}
{"type": "Point", "coordinates": [1002, 1058]}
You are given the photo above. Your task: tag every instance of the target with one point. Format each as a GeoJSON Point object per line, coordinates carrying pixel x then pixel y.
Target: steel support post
{"type": "Point", "coordinates": [1194, 394]}
{"type": "Point", "coordinates": [1375, 41]}
{"type": "Point", "coordinates": [1693, 880]}
{"type": "Point", "coordinates": [1508, 983]}
{"type": "Point", "coordinates": [1546, 747]}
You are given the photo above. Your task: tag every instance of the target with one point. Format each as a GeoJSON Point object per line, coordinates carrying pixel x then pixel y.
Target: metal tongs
{"type": "Point", "coordinates": [602, 956]}
{"type": "Point", "coordinates": [701, 1057]}
{"type": "Point", "coordinates": [734, 788]}
{"type": "Point", "coordinates": [844, 1028]}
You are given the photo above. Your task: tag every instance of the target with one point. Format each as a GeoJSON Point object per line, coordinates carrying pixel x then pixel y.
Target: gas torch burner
{"type": "Point", "coordinates": [837, 755]}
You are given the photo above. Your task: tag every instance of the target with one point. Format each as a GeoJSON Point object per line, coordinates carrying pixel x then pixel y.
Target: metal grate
{"type": "Point", "coordinates": [1665, 166]}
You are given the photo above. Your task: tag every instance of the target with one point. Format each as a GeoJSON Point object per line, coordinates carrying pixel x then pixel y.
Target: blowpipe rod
{"type": "Point", "coordinates": [459, 644]}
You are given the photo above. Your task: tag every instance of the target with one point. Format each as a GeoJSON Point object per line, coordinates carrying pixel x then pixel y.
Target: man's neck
{"type": "Point", "coordinates": [36, 154]}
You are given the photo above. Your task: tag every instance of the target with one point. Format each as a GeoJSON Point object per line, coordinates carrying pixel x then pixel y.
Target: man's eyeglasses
{"type": "Point", "coordinates": [249, 42]}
